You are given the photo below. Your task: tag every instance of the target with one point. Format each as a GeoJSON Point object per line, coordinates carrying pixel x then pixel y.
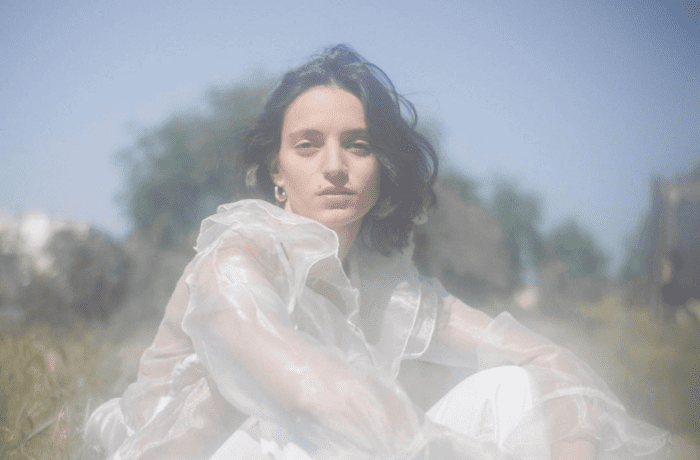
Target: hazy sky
{"type": "Point", "coordinates": [580, 101]}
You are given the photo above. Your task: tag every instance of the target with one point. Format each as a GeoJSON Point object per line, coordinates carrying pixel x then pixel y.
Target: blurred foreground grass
{"type": "Point", "coordinates": [652, 365]}
{"type": "Point", "coordinates": [50, 379]}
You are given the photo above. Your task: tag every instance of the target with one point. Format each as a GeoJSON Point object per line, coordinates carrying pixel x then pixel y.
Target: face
{"type": "Point", "coordinates": [325, 162]}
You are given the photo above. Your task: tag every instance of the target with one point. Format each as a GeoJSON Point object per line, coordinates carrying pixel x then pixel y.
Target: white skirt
{"type": "Point", "coordinates": [487, 406]}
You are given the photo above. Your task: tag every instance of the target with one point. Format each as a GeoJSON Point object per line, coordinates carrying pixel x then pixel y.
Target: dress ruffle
{"type": "Point", "coordinates": [266, 298]}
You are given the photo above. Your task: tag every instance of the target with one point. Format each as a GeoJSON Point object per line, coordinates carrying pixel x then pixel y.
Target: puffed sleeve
{"type": "Point", "coordinates": [244, 318]}
{"type": "Point", "coordinates": [574, 400]}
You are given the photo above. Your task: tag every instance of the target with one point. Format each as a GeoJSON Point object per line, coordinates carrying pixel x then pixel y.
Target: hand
{"type": "Point", "coordinates": [579, 449]}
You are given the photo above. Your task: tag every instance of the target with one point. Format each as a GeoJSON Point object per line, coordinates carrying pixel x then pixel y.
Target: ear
{"type": "Point", "coordinates": [278, 179]}
{"type": "Point", "coordinates": [275, 174]}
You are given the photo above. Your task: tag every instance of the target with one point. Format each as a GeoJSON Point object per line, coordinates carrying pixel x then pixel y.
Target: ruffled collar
{"type": "Point", "coordinates": [381, 296]}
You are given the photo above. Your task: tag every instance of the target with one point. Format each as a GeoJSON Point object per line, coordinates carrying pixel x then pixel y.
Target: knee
{"type": "Point", "coordinates": [509, 397]}
{"type": "Point", "coordinates": [512, 383]}
{"type": "Point", "coordinates": [500, 394]}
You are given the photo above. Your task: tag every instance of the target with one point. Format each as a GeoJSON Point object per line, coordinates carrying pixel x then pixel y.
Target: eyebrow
{"type": "Point", "coordinates": [355, 133]}
{"type": "Point", "coordinates": [302, 133]}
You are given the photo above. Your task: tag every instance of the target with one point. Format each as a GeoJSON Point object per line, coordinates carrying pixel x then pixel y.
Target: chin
{"type": "Point", "coordinates": [337, 219]}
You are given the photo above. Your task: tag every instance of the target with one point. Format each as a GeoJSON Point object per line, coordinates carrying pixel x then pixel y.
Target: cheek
{"type": "Point", "coordinates": [288, 170]}
{"type": "Point", "coordinates": [372, 182]}
{"type": "Point", "coordinates": [298, 180]}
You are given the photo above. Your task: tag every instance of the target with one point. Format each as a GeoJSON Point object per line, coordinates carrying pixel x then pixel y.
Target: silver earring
{"type": "Point", "coordinates": [280, 194]}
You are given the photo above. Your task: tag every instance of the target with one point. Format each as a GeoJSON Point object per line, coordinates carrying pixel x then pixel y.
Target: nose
{"type": "Point", "coordinates": [335, 167]}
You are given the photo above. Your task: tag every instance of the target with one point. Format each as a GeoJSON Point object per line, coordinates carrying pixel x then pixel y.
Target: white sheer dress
{"type": "Point", "coordinates": [267, 349]}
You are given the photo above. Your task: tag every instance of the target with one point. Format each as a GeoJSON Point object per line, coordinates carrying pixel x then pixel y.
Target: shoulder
{"type": "Point", "coordinates": [255, 233]}
{"type": "Point", "coordinates": [243, 216]}
{"type": "Point", "coordinates": [259, 221]}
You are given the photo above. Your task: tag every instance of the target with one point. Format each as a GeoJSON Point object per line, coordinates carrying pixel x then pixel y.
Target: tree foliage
{"type": "Point", "coordinates": [180, 171]}
{"type": "Point", "coordinates": [465, 186]}
{"type": "Point", "coordinates": [519, 215]}
{"type": "Point", "coordinates": [575, 246]}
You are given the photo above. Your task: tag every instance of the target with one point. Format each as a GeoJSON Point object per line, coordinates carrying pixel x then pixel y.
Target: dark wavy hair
{"type": "Point", "coordinates": [408, 163]}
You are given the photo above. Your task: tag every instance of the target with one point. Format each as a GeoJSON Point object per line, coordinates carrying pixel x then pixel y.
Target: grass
{"type": "Point", "coordinates": [656, 366]}
{"type": "Point", "coordinates": [651, 364]}
{"type": "Point", "coordinates": [51, 378]}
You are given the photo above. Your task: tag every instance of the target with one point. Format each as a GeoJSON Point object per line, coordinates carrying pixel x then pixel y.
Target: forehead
{"type": "Point", "coordinates": [325, 107]}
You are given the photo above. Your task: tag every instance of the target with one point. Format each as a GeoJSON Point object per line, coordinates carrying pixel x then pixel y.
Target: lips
{"type": "Point", "coordinates": [336, 191]}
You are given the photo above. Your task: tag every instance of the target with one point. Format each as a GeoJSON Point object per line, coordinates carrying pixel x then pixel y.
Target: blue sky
{"type": "Point", "coordinates": [580, 102]}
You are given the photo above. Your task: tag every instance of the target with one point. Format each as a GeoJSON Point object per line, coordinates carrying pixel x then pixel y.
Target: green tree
{"type": "Point", "coordinates": [177, 173]}
{"type": "Point", "coordinates": [466, 186]}
{"type": "Point", "coordinates": [575, 246]}
{"type": "Point", "coordinates": [519, 214]}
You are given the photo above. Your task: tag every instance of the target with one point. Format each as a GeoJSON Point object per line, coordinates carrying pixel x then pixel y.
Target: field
{"type": "Point", "coordinates": [51, 378]}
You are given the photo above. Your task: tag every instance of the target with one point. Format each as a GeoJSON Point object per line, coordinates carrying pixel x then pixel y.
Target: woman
{"type": "Point", "coordinates": [284, 337]}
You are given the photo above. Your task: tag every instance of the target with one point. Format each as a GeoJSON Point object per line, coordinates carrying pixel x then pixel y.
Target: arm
{"type": "Point", "coordinates": [264, 366]}
{"type": "Point", "coordinates": [466, 336]}
{"type": "Point", "coordinates": [580, 449]}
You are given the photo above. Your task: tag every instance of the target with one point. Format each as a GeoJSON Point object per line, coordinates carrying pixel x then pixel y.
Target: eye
{"type": "Point", "coordinates": [360, 147]}
{"type": "Point", "coordinates": [305, 147]}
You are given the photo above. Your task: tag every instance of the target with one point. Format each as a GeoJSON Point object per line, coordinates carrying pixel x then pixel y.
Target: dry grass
{"type": "Point", "coordinates": [656, 366]}
{"type": "Point", "coordinates": [651, 364]}
{"type": "Point", "coordinates": [50, 379]}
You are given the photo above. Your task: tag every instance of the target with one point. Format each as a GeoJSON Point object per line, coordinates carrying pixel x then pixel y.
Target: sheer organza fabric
{"type": "Point", "coordinates": [266, 333]}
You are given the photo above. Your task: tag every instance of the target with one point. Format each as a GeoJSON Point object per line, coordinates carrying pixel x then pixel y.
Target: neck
{"type": "Point", "coordinates": [346, 234]}
{"type": "Point", "coordinates": [346, 237]}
